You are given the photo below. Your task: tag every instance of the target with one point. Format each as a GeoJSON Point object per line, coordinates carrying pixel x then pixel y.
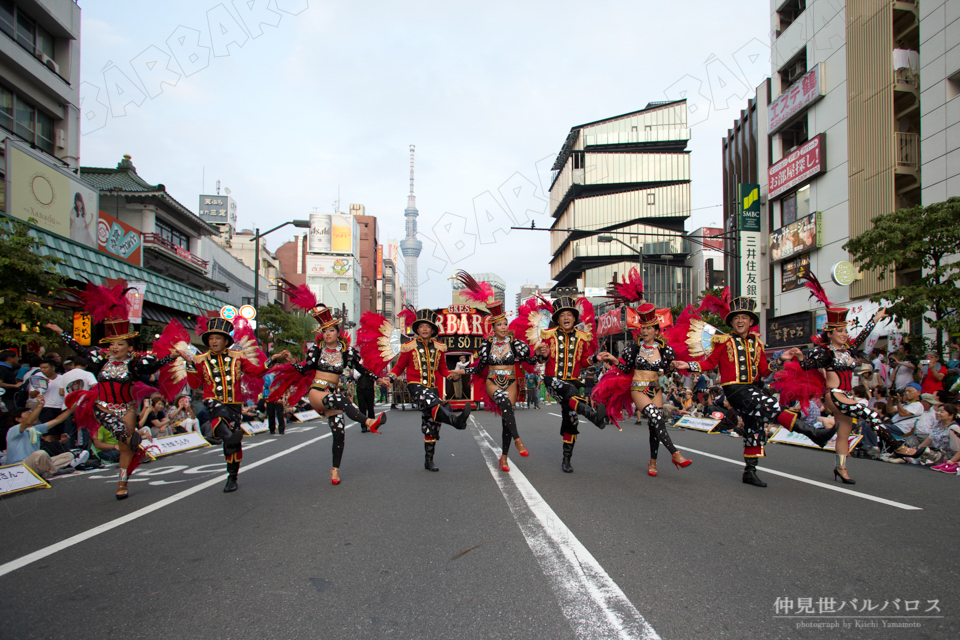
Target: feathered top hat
{"type": "Point", "coordinates": [427, 316]}
{"type": "Point", "coordinates": [108, 305]}
{"type": "Point", "coordinates": [747, 306]}
{"type": "Point", "coordinates": [306, 300]}
{"type": "Point", "coordinates": [836, 316]}
{"type": "Point", "coordinates": [648, 315]}
{"type": "Point", "coordinates": [497, 312]}
{"type": "Point", "coordinates": [565, 303]}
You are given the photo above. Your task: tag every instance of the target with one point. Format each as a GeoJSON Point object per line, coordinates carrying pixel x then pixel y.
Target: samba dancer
{"type": "Point", "coordinates": [743, 364]}
{"type": "Point", "coordinates": [423, 363]}
{"type": "Point", "coordinates": [328, 357]}
{"type": "Point", "coordinates": [645, 360]}
{"type": "Point", "coordinates": [565, 350]}
{"type": "Point", "coordinates": [118, 370]}
{"type": "Point", "coordinates": [832, 354]}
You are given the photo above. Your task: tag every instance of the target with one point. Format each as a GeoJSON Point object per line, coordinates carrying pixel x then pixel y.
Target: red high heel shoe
{"type": "Point", "coordinates": [521, 448]}
{"type": "Point", "coordinates": [381, 420]}
{"type": "Point", "coordinates": [652, 468]}
{"type": "Point", "coordinates": [503, 464]}
{"type": "Point", "coordinates": [681, 465]}
{"type": "Point", "coordinates": [334, 476]}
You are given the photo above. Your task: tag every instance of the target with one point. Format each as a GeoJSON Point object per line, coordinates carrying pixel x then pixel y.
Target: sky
{"type": "Point", "coordinates": [296, 104]}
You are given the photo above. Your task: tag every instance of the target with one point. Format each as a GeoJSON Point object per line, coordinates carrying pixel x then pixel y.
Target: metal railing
{"type": "Point", "coordinates": [177, 250]}
{"type": "Point", "coordinates": [907, 147]}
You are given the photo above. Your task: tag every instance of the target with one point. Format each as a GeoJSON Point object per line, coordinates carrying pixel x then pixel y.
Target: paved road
{"type": "Point", "coordinates": [470, 552]}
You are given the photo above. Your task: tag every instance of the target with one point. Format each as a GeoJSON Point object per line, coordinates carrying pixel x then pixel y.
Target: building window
{"type": "Point", "coordinates": [795, 206]}
{"type": "Point", "coordinates": [651, 198]}
{"type": "Point", "coordinates": [793, 70]}
{"type": "Point", "coordinates": [794, 135]}
{"type": "Point", "coordinates": [22, 118]}
{"type": "Point", "coordinates": [343, 287]}
{"type": "Point", "coordinates": [788, 14]}
{"type": "Point", "coordinates": [26, 32]}
{"type": "Point", "coordinates": [170, 234]}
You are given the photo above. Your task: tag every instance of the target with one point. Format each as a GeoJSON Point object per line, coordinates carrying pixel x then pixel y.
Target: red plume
{"type": "Point", "coordinates": [372, 327]}
{"type": "Point", "coordinates": [164, 346]}
{"type": "Point", "coordinates": [613, 390]}
{"type": "Point", "coordinates": [797, 385]}
{"type": "Point", "coordinates": [589, 320]}
{"type": "Point", "coordinates": [816, 289]}
{"type": "Point", "coordinates": [201, 326]}
{"type": "Point", "coordinates": [676, 335]}
{"type": "Point", "coordinates": [104, 302]}
{"type": "Point", "coordinates": [629, 289]}
{"type": "Point", "coordinates": [475, 291]}
{"type": "Point", "coordinates": [409, 315]}
{"type": "Point", "coordinates": [300, 296]}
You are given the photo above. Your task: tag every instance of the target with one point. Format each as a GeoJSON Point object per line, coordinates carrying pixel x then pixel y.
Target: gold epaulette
{"type": "Point", "coordinates": [441, 346]}
{"type": "Point", "coordinates": [203, 356]}
{"type": "Point", "coordinates": [719, 338]}
{"type": "Point", "coordinates": [547, 333]}
{"type": "Point", "coordinates": [583, 335]}
{"type": "Point", "coordinates": [408, 346]}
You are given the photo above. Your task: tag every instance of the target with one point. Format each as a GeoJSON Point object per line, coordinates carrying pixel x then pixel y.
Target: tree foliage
{"type": "Point", "coordinates": [29, 282]}
{"type": "Point", "coordinates": [921, 245]}
{"type": "Point", "coordinates": [285, 330]}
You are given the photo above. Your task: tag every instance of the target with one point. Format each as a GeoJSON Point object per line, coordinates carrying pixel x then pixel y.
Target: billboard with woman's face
{"type": "Point", "coordinates": [51, 195]}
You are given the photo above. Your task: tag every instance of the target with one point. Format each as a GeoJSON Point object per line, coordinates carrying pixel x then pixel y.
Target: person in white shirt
{"type": "Point", "coordinates": [76, 379]}
{"type": "Point", "coordinates": [50, 385]}
{"type": "Point", "coordinates": [927, 420]}
{"type": "Point", "coordinates": [905, 409]}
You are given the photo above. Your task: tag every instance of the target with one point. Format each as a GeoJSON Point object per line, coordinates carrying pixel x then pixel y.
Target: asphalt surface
{"type": "Point", "coordinates": [398, 552]}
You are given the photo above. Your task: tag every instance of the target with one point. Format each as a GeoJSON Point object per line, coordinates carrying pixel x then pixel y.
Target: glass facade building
{"type": "Point", "coordinates": [627, 177]}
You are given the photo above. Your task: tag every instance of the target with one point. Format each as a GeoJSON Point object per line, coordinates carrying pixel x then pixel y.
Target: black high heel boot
{"type": "Point", "coordinates": [597, 415]}
{"type": "Point", "coordinates": [446, 416]}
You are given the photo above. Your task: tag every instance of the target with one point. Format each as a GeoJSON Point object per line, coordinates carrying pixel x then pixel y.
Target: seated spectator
{"type": "Point", "coordinates": [106, 447]}
{"type": "Point", "coordinates": [182, 418]}
{"type": "Point", "coordinates": [945, 439]}
{"type": "Point", "coordinates": [154, 418]}
{"type": "Point", "coordinates": [248, 412]}
{"type": "Point", "coordinates": [904, 409]}
{"type": "Point", "coordinates": [927, 420]}
{"type": "Point", "coordinates": [56, 445]}
{"type": "Point", "coordinates": [23, 442]}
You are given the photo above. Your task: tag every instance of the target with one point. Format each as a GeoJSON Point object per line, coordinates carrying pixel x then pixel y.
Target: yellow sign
{"type": "Point", "coordinates": [82, 328]}
{"type": "Point", "coordinates": [844, 273]}
{"type": "Point", "coordinates": [58, 202]}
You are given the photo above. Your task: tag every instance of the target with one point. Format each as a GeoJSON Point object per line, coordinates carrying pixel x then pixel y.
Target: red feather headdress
{"type": "Point", "coordinates": [408, 314]}
{"type": "Point", "coordinates": [816, 289]}
{"type": "Point", "coordinates": [629, 289]}
{"type": "Point", "coordinates": [300, 296]}
{"type": "Point", "coordinates": [475, 291]}
{"type": "Point", "coordinates": [105, 303]}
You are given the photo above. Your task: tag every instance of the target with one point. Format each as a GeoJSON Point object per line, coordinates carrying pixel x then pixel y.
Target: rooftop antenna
{"type": "Point", "coordinates": [218, 187]}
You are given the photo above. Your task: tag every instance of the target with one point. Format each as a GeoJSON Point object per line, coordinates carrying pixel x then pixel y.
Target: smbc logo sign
{"type": "Point", "coordinates": [749, 195]}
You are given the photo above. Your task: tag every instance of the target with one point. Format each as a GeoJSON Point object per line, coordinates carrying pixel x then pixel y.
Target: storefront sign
{"type": "Point", "coordinates": [119, 239]}
{"type": "Point", "coordinates": [463, 330]}
{"type": "Point", "coordinates": [51, 195]}
{"type": "Point", "coordinates": [844, 273]}
{"type": "Point", "coordinates": [218, 210]}
{"type": "Point", "coordinates": [792, 330]}
{"type": "Point", "coordinates": [379, 262]}
{"type": "Point", "coordinates": [800, 236]}
{"type": "Point", "coordinates": [135, 293]}
{"type": "Point", "coordinates": [82, 328]}
{"type": "Point", "coordinates": [330, 266]}
{"type": "Point", "coordinates": [801, 165]}
{"type": "Point", "coordinates": [798, 96]}
{"type": "Point", "coordinates": [791, 270]}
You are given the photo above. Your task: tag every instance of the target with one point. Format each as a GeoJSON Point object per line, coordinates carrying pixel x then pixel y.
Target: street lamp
{"type": "Point", "coordinates": [605, 238]}
{"type": "Point", "coordinates": [301, 224]}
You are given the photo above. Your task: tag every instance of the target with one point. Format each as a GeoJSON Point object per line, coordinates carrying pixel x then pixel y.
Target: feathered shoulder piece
{"type": "Point", "coordinates": [173, 376]}
{"type": "Point", "coordinates": [378, 341]}
{"type": "Point", "coordinates": [104, 302]}
{"type": "Point", "coordinates": [300, 296]}
{"type": "Point", "coordinates": [532, 316]}
{"type": "Point", "coordinates": [816, 289]}
{"type": "Point", "coordinates": [245, 345]}
{"type": "Point", "coordinates": [589, 321]}
{"type": "Point", "coordinates": [479, 292]}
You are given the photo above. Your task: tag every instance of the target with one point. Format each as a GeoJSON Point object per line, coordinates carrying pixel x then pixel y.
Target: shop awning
{"type": "Point", "coordinates": [80, 261]}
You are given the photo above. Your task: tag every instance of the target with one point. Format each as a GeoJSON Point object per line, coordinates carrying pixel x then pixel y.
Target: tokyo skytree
{"type": "Point", "coordinates": [410, 247]}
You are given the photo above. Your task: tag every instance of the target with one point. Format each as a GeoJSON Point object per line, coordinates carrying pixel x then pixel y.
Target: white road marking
{"type": "Point", "coordinates": [595, 607]}
{"type": "Point", "coordinates": [822, 485]}
{"type": "Point", "coordinates": [555, 414]}
{"type": "Point", "coordinates": [40, 554]}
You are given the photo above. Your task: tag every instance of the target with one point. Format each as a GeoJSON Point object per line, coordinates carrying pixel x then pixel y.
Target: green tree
{"type": "Point", "coordinates": [920, 244]}
{"type": "Point", "coordinates": [29, 284]}
{"type": "Point", "coordinates": [285, 330]}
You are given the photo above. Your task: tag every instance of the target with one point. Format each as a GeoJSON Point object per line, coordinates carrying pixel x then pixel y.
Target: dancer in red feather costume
{"type": "Point", "coordinates": [497, 367]}
{"type": "Point", "coordinates": [112, 403]}
{"type": "Point", "coordinates": [641, 364]}
{"type": "Point", "coordinates": [319, 375]}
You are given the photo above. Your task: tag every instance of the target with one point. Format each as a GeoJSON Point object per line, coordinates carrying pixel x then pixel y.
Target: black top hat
{"type": "Point", "coordinates": [428, 316]}
{"type": "Point", "coordinates": [565, 303]}
{"type": "Point", "coordinates": [217, 326]}
{"type": "Point", "coordinates": [743, 305]}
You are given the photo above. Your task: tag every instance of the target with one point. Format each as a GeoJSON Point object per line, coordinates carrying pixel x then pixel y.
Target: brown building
{"type": "Point", "coordinates": [369, 238]}
{"type": "Point", "coordinates": [292, 256]}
